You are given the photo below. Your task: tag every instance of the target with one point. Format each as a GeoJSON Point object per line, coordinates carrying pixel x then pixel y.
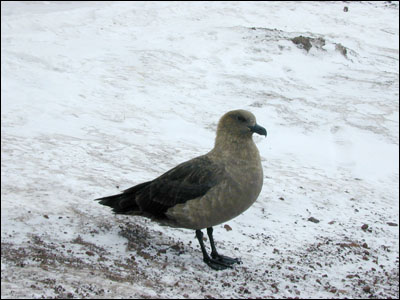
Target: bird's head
{"type": "Point", "coordinates": [239, 123]}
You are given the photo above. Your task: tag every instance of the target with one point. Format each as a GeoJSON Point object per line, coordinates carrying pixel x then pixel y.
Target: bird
{"type": "Point", "coordinates": [205, 191]}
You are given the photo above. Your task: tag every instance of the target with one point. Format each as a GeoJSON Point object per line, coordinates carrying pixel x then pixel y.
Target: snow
{"type": "Point", "coordinates": [100, 96]}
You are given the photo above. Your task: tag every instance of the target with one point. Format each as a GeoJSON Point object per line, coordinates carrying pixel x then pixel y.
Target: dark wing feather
{"type": "Point", "coordinates": [123, 203]}
{"type": "Point", "coordinates": [186, 181]}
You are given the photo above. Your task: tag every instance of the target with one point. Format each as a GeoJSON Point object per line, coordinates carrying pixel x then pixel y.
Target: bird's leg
{"type": "Point", "coordinates": [214, 254]}
{"type": "Point", "coordinates": [211, 262]}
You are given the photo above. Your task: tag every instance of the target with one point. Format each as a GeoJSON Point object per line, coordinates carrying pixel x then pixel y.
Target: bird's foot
{"type": "Point", "coordinates": [226, 260]}
{"type": "Point", "coordinates": [217, 264]}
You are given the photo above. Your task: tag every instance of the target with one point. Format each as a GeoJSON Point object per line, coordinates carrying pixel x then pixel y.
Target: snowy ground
{"type": "Point", "coordinates": [97, 97]}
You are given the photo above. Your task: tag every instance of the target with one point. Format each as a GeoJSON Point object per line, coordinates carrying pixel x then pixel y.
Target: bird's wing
{"type": "Point", "coordinates": [186, 181]}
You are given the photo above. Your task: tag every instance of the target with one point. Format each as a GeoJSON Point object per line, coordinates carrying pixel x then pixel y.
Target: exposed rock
{"type": "Point", "coordinates": [302, 42]}
{"type": "Point", "coordinates": [342, 49]}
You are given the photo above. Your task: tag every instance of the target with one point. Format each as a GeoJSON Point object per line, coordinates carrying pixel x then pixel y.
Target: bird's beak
{"type": "Point", "coordinates": [258, 129]}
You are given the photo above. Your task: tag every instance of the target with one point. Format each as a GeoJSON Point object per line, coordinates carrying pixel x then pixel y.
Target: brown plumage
{"type": "Point", "coordinates": [205, 191]}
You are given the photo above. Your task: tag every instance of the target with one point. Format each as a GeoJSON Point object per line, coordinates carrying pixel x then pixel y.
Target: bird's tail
{"type": "Point", "coordinates": [124, 203]}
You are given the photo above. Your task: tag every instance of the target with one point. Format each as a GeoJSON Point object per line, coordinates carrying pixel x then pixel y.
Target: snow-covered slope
{"type": "Point", "coordinates": [100, 96]}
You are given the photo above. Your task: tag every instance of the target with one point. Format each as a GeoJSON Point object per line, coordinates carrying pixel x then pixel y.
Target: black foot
{"type": "Point", "coordinates": [217, 264]}
{"type": "Point", "coordinates": [225, 259]}
{"type": "Point", "coordinates": [216, 261]}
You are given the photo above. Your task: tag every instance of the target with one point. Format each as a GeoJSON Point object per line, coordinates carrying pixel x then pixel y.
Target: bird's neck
{"type": "Point", "coordinates": [234, 148]}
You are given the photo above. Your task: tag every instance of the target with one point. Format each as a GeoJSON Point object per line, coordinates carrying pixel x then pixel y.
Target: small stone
{"type": "Point", "coordinates": [367, 289]}
{"type": "Point", "coordinates": [227, 227]}
{"type": "Point", "coordinates": [312, 219]}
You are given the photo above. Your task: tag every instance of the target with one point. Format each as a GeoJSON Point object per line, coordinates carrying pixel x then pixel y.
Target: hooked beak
{"type": "Point", "coordinates": [258, 129]}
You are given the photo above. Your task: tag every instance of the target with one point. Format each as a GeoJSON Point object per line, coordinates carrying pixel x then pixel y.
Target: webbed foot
{"type": "Point", "coordinates": [226, 260]}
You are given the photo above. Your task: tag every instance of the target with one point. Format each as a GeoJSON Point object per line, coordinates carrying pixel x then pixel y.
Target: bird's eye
{"type": "Point", "coordinates": [241, 119]}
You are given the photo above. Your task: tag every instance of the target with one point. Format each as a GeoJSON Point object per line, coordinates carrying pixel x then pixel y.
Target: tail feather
{"type": "Point", "coordinates": [121, 203]}
{"type": "Point", "coordinates": [124, 203]}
